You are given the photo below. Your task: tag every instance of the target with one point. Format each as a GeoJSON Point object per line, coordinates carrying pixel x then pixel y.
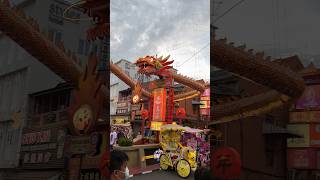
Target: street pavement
{"type": "Point", "coordinates": [161, 175]}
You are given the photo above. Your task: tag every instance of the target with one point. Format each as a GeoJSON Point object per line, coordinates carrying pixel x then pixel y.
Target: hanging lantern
{"type": "Point", "coordinates": [180, 113]}
{"type": "Point", "coordinates": [136, 99]}
{"type": "Point", "coordinates": [152, 85]}
{"type": "Point", "coordinates": [144, 114]}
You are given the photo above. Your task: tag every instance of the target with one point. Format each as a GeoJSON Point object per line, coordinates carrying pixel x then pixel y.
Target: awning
{"type": "Point", "coordinates": [196, 103]}
{"type": "Point", "coordinates": [33, 175]}
{"type": "Point", "coordinates": [270, 129]}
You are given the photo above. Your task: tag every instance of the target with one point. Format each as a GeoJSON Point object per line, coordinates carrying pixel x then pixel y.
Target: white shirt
{"type": "Point", "coordinates": [113, 137]}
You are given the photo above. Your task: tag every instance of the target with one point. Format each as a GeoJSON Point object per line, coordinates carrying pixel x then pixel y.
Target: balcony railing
{"type": "Point", "coordinates": [48, 118]}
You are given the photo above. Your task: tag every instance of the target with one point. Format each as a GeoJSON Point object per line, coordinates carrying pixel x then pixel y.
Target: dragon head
{"type": "Point", "coordinates": [151, 65]}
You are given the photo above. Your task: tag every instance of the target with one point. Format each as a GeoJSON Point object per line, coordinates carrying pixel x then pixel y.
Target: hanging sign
{"type": "Point", "coordinates": [159, 104]}
{"type": "Point", "coordinates": [155, 126]}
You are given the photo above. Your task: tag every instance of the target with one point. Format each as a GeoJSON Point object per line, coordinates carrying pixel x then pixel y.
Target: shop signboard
{"type": "Point", "coordinates": [205, 98]}
{"type": "Point", "coordinates": [302, 130]}
{"type": "Point", "coordinates": [315, 135]}
{"type": "Point", "coordinates": [301, 158]}
{"type": "Point", "coordinates": [204, 104]}
{"type": "Point", "coordinates": [89, 144]}
{"type": "Point", "coordinates": [122, 104]}
{"type": "Point", "coordinates": [56, 13]}
{"type": "Point", "coordinates": [206, 93]}
{"type": "Point", "coordinates": [119, 121]}
{"type": "Point", "coordinates": [122, 111]}
{"type": "Point", "coordinates": [155, 126]}
{"type": "Point", "coordinates": [159, 104]}
{"type": "Point", "coordinates": [310, 98]}
{"type": "Point", "coordinates": [205, 111]}
{"type": "Point", "coordinates": [42, 147]}
{"type": "Point", "coordinates": [305, 117]}
{"type": "Point", "coordinates": [36, 137]}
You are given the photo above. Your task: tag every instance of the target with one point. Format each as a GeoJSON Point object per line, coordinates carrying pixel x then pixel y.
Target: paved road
{"type": "Point", "coordinates": [161, 175]}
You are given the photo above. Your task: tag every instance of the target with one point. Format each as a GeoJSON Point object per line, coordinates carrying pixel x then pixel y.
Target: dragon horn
{"type": "Point", "coordinates": [167, 63]}
{"type": "Point", "coordinates": [166, 58]}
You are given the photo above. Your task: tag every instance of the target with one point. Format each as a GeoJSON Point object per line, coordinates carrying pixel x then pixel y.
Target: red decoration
{"type": "Point", "coordinates": [104, 163]}
{"type": "Point", "coordinates": [144, 114]}
{"type": "Point", "coordinates": [152, 85]}
{"type": "Point", "coordinates": [226, 163]}
{"type": "Point", "coordinates": [180, 113]}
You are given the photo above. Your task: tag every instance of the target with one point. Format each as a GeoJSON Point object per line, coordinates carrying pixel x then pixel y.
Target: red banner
{"type": "Point", "coordinates": [306, 116]}
{"type": "Point", "coordinates": [302, 158]}
{"type": "Point", "coordinates": [315, 135]}
{"type": "Point", "coordinates": [159, 104]}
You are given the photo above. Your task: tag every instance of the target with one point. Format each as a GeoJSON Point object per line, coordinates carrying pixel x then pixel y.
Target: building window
{"type": "Point", "coordinates": [127, 66]}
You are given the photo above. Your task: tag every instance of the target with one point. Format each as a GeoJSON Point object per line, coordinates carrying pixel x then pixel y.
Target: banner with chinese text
{"type": "Point", "coordinates": [159, 104]}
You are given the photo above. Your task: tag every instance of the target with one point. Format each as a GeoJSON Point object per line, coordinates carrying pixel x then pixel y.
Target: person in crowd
{"type": "Point", "coordinates": [203, 174]}
{"type": "Point", "coordinates": [118, 165]}
{"type": "Point", "coordinates": [113, 138]}
{"type": "Point", "coordinates": [120, 134]}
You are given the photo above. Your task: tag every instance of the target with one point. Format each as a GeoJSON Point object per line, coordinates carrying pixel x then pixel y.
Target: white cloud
{"type": "Point", "coordinates": [147, 27]}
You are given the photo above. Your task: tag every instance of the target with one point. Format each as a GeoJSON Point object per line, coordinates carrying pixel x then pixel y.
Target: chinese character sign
{"type": "Point", "coordinates": [159, 104]}
{"type": "Point", "coordinates": [226, 163]}
{"type": "Point", "coordinates": [205, 102]}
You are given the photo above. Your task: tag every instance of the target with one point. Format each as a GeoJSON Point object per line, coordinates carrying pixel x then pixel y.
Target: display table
{"type": "Point", "coordinates": [137, 153]}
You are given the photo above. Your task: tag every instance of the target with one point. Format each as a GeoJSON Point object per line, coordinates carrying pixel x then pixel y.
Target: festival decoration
{"type": "Point", "coordinates": [180, 113]}
{"type": "Point", "coordinates": [14, 24]}
{"type": "Point", "coordinates": [136, 95]}
{"type": "Point", "coordinates": [226, 163]}
{"type": "Point", "coordinates": [85, 109]}
{"type": "Point", "coordinates": [145, 114]}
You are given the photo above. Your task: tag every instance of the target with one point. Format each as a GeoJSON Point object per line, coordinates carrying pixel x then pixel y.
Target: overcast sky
{"type": "Point", "coordinates": [180, 28]}
{"type": "Point", "coordinates": [289, 26]}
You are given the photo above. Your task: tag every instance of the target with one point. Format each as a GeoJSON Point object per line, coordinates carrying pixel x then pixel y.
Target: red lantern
{"type": "Point", "coordinates": [152, 85]}
{"type": "Point", "coordinates": [180, 113]}
{"type": "Point", "coordinates": [144, 114]}
{"type": "Point", "coordinates": [226, 163]}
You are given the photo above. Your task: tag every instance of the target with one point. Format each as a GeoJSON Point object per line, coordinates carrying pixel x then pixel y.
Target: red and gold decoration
{"type": "Point", "coordinates": [85, 109]}
{"type": "Point", "coordinates": [136, 95]}
{"type": "Point", "coordinates": [144, 114]}
{"type": "Point", "coordinates": [180, 113]}
{"type": "Point", "coordinates": [226, 163]}
{"type": "Point", "coordinates": [159, 104]}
